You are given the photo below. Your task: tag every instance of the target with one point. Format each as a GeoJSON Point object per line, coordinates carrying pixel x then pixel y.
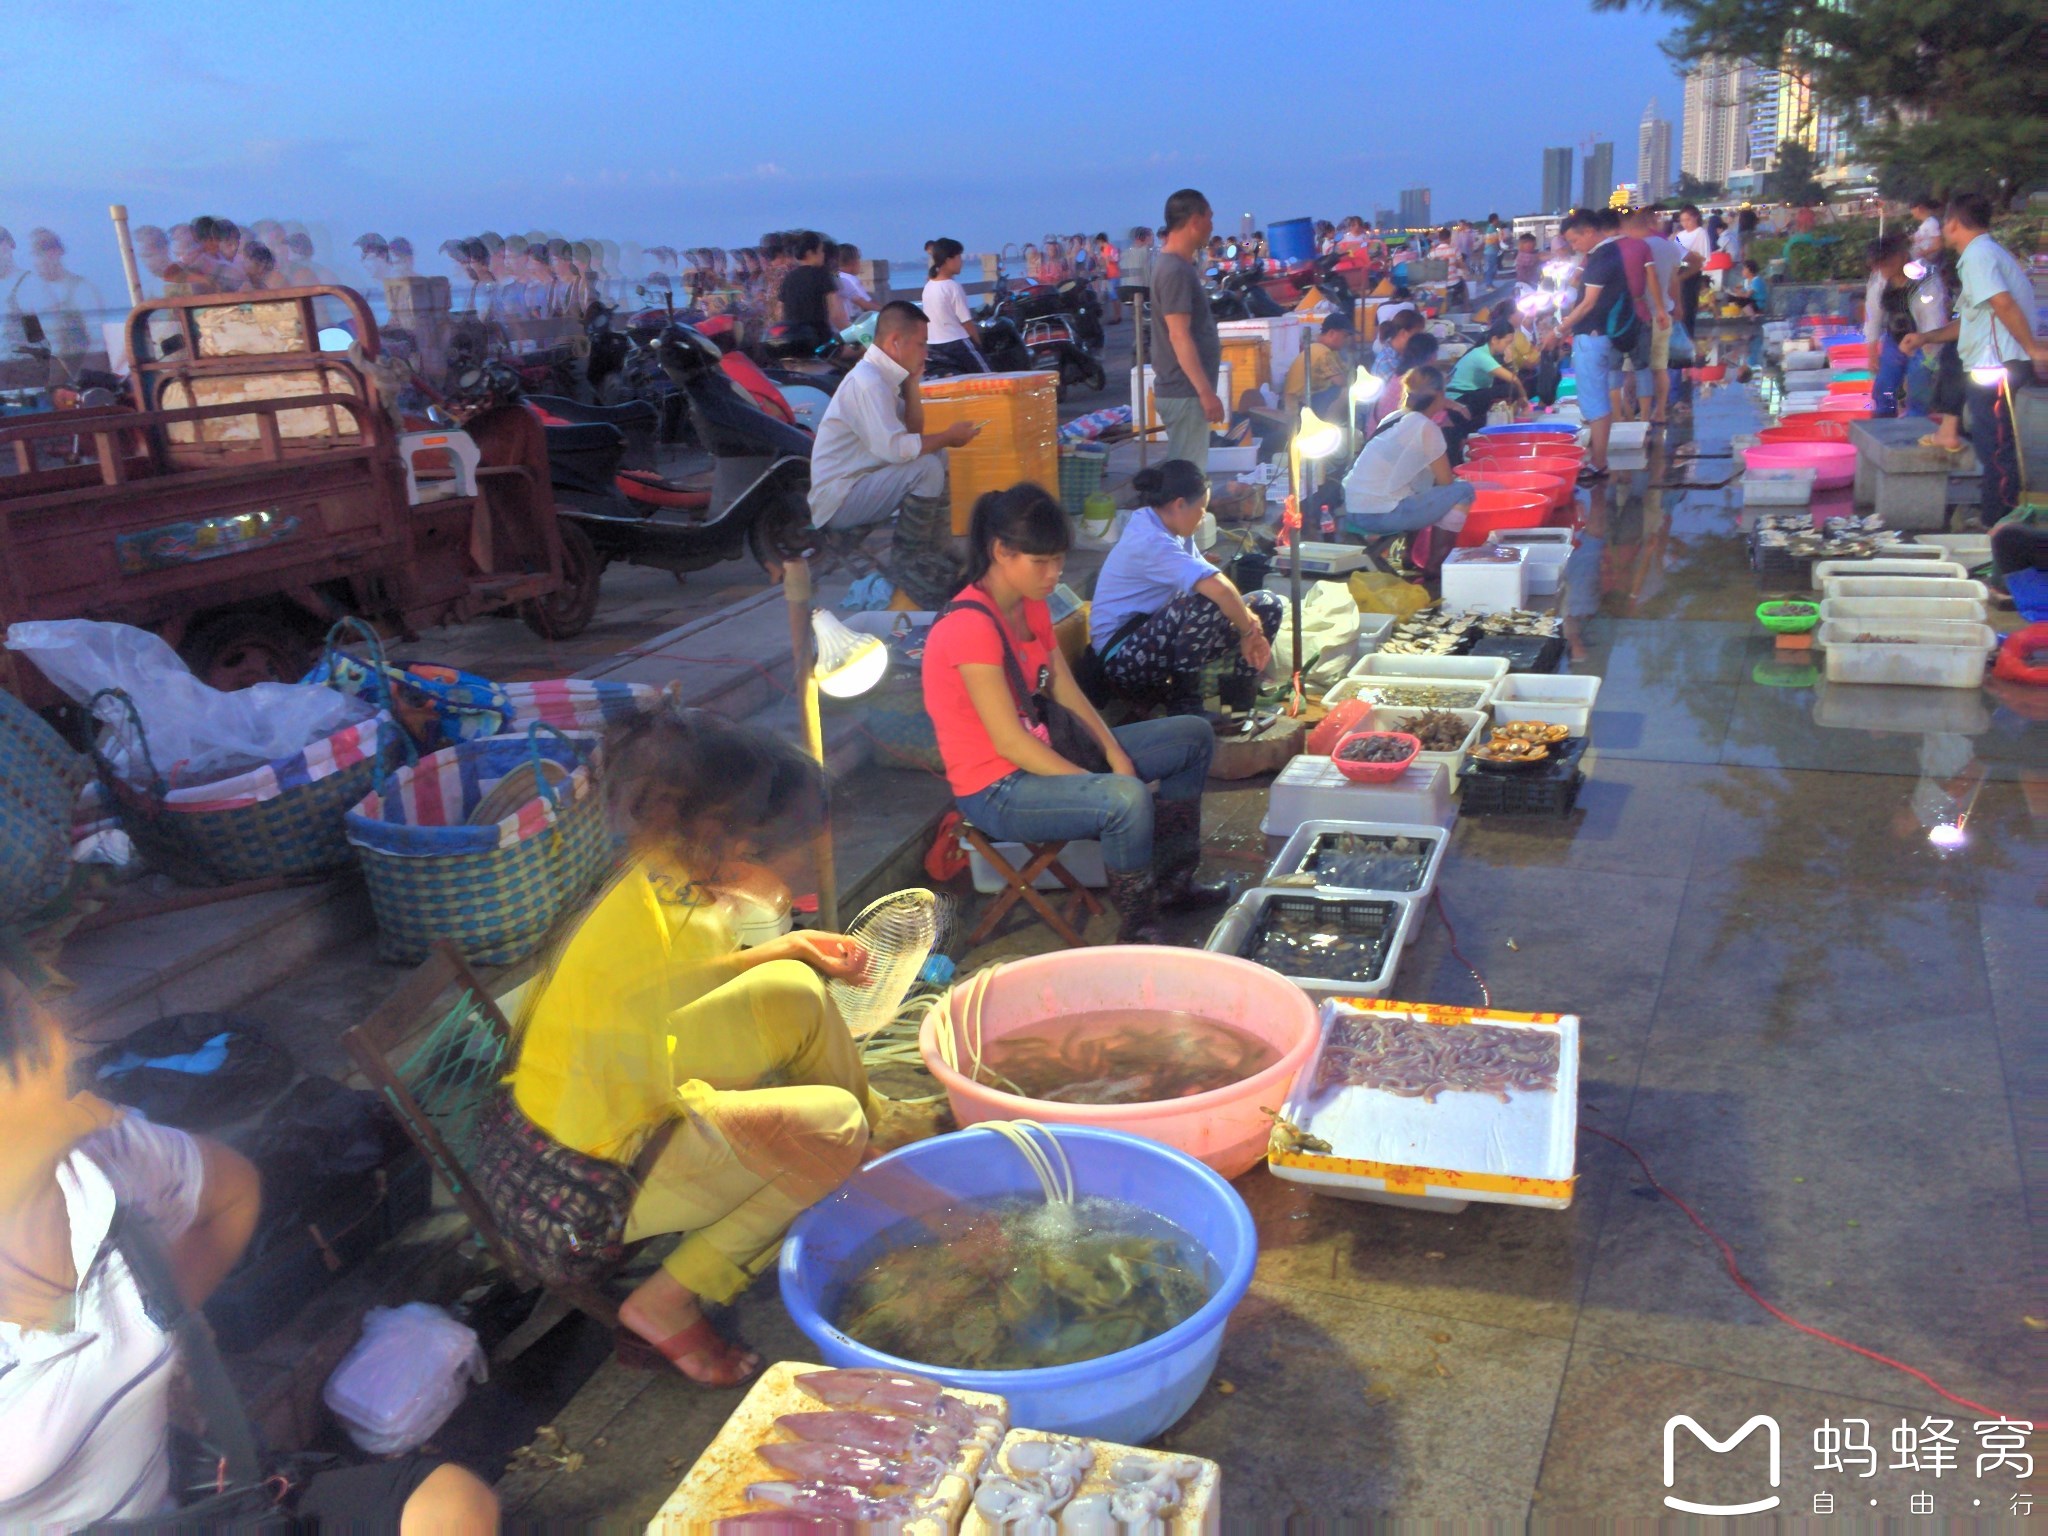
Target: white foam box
{"type": "Point", "coordinates": [1234, 931]}
{"type": "Point", "coordinates": [1905, 586]}
{"type": "Point", "coordinates": [1878, 610]}
{"type": "Point", "coordinates": [1287, 863]}
{"type": "Point", "coordinates": [1921, 569]}
{"type": "Point", "coordinates": [1233, 461]}
{"type": "Point", "coordinates": [1628, 436]}
{"type": "Point", "coordinates": [1283, 335]}
{"type": "Point", "coordinates": [1480, 579]}
{"type": "Point", "coordinates": [1199, 1513]}
{"type": "Point", "coordinates": [1925, 653]}
{"type": "Point", "coordinates": [716, 1487]}
{"type": "Point", "coordinates": [1150, 416]}
{"type": "Point", "coordinates": [1555, 698]}
{"type": "Point", "coordinates": [1544, 551]}
{"type": "Point", "coordinates": [1437, 1157]}
{"type": "Point", "coordinates": [1788, 487]}
{"type": "Point", "coordinates": [1312, 789]}
{"type": "Point", "coordinates": [1484, 669]}
{"type": "Point", "coordinates": [1082, 857]}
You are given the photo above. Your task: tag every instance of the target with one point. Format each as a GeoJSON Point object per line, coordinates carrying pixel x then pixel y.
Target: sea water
{"type": "Point", "coordinates": [1123, 1056]}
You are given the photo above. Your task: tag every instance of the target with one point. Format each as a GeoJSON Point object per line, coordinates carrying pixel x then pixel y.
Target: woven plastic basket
{"type": "Point", "coordinates": [40, 778]}
{"type": "Point", "coordinates": [1081, 471]}
{"type": "Point", "coordinates": [576, 703]}
{"type": "Point", "coordinates": [282, 819]}
{"type": "Point", "coordinates": [441, 704]}
{"type": "Point", "coordinates": [492, 890]}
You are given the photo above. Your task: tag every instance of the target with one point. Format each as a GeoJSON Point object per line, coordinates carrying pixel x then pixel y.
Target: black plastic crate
{"type": "Point", "coordinates": [1357, 917]}
{"type": "Point", "coordinates": [1525, 653]}
{"type": "Point", "coordinates": [1778, 571]}
{"type": "Point", "coordinates": [1549, 790]}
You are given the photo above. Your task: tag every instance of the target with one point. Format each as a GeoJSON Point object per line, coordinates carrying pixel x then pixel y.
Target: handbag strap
{"type": "Point", "coordinates": [158, 786]}
{"type": "Point", "coordinates": [1012, 668]}
{"type": "Point", "coordinates": [227, 1425]}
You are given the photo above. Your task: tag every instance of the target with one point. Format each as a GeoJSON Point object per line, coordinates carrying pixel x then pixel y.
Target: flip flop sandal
{"type": "Point", "coordinates": [700, 1343]}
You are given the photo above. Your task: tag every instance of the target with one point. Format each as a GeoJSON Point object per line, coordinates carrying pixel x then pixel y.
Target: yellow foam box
{"type": "Point", "coordinates": [1020, 417]}
{"type": "Point", "coordinates": [1250, 362]}
{"type": "Point", "coordinates": [716, 1487]}
{"type": "Point", "coordinates": [1201, 1507]}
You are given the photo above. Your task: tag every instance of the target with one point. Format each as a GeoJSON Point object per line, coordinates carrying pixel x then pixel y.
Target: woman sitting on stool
{"type": "Point", "coordinates": [990, 664]}
{"type": "Point", "coordinates": [1161, 612]}
{"type": "Point", "coordinates": [1402, 480]}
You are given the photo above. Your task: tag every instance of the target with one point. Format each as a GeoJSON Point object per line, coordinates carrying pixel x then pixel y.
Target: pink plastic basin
{"type": "Point", "coordinates": [1226, 1127]}
{"type": "Point", "coordinates": [1833, 464]}
{"type": "Point", "coordinates": [1536, 445]}
{"type": "Point", "coordinates": [1557, 488]}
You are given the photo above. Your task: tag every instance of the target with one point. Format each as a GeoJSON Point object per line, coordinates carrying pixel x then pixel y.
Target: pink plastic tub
{"type": "Point", "coordinates": [1833, 464]}
{"type": "Point", "coordinates": [1225, 1128]}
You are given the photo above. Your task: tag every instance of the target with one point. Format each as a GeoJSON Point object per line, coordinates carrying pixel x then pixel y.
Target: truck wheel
{"type": "Point", "coordinates": [249, 645]}
{"type": "Point", "coordinates": [567, 612]}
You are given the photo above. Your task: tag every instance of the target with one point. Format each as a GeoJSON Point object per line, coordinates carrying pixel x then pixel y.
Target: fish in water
{"type": "Point", "coordinates": [882, 1434]}
{"type": "Point", "coordinates": [1123, 1056]}
{"type": "Point", "coordinates": [821, 1462]}
{"type": "Point", "coordinates": [1016, 1284]}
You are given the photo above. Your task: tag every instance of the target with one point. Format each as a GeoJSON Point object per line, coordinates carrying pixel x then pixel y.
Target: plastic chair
{"type": "Point", "coordinates": [460, 448]}
{"type": "Point", "coordinates": [1019, 885]}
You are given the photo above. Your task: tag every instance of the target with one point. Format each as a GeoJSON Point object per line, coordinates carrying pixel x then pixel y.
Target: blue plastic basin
{"type": "Point", "coordinates": [1128, 1397]}
{"type": "Point", "coordinates": [1527, 426]}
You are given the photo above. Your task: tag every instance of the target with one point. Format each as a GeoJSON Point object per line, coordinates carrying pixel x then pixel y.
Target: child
{"type": "Point", "coordinates": [1755, 295]}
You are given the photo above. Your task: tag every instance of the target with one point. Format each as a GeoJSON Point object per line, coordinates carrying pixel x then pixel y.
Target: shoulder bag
{"type": "Point", "coordinates": [1043, 715]}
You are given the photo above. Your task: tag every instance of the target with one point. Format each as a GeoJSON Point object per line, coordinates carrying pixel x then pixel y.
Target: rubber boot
{"type": "Point", "coordinates": [1135, 895]}
{"type": "Point", "coordinates": [1177, 853]}
{"type": "Point", "coordinates": [921, 551]}
{"type": "Point", "coordinates": [1238, 691]}
{"type": "Point", "coordinates": [1184, 694]}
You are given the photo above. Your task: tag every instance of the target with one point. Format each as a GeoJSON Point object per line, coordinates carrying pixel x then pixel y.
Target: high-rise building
{"type": "Point", "coordinates": [1598, 181]}
{"type": "Point", "coordinates": [1415, 208]}
{"type": "Point", "coordinates": [1557, 180]}
{"type": "Point", "coordinates": [1383, 218]}
{"type": "Point", "coordinates": [1803, 119]}
{"type": "Point", "coordinates": [1721, 101]}
{"type": "Point", "coordinates": [1763, 122]}
{"type": "Point", "coordinates": [1653, 155]}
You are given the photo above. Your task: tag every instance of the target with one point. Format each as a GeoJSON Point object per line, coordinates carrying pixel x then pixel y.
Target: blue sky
{"type": "Point", "coordinates": [710, 122]}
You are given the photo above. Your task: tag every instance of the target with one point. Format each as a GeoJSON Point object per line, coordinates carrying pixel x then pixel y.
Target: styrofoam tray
{"type": "Point", "coordinates": [1441, 1156]}
{"type": "Point", "coordinates": [1555, 698]}
{"type": "Point", "coordinates": [1199, 1513]}
{"type": "Point", "coordinates": [1916, 570]}
{"type": "Point", "coordinates": [1925, 654]}
{"type": "Point", "coordinates": [1289, 859]}
{"type": "Point", "coordinates": [1361, 684]}
{"type": "Point", "coordinates": [1906, 586]}
{"type": "Point", "coordinates": [1790, 486]}
{"type": "Point", "coordinates": [1395, 717]}
{"type": "Point", "coordinates": [1082, 857]}
{"type": "Point", "coordinates": [1312, 789]}
{"type": "Point", "coordinates": [1486, 669]}
{"type": "Point", "coordinates": [1237, 925]}
{"type": "Point", "coordinates": [1877, 610]}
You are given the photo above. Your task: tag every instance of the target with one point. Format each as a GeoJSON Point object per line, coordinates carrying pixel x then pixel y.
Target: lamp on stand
{"type": "Point", "coordinates": [1314, 440]}
{"type": "Point", "coordinates": [1366, 387]}
{"type": "Point", "coordinates": [830, 659]}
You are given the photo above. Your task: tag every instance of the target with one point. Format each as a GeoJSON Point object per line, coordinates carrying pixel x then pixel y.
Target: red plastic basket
{"type": "Point", "coordinates": [1375, 773]}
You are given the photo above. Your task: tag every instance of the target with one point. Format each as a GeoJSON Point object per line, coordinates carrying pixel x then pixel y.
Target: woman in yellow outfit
{"type": "Point", "coordinates": [722, 1078]}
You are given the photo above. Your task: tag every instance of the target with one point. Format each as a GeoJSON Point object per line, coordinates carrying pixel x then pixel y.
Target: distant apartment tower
{"type": "Point", "coordinates": [1415, 208]}
{"type": "Point", "coordinates": [1802, 118]}
{"type": "Point", "coordinates": [1653, 155]}
{"type": "Point", "coordinates": [1721, 102]}
{"type": "Point", "coordinates": [1383, 218]}
{"type": "Point", "coordinates": [1763, 122]}
{"type": "Point", "coordinates": [1557, 180]}
{"type": "Point", "coordinates": [1598, 182]}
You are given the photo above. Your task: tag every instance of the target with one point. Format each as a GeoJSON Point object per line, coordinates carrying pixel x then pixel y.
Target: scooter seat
{"type": "Point", "coordinates": [627, 416]}
{"type": "Point", "coordinates": [582, 437]}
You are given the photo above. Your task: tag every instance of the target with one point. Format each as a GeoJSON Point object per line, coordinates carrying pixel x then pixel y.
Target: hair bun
{"type": "Point", "coordinates": [1147, 480]}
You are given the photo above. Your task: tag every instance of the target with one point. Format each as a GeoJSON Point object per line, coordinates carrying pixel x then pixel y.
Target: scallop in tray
{"type": "Point", "coordinates": [1419, 1105]}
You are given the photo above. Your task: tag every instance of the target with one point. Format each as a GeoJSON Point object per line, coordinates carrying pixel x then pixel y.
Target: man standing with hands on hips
{"type": "Point", "coordinates": [1185, 350]}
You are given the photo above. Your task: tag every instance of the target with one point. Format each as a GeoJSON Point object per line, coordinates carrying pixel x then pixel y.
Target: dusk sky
{"type": "Point", "coordinates": [709, 123]}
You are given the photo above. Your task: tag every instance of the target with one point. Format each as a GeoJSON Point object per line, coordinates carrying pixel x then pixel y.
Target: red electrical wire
{"type": "Point", "coordinates": [1728, 1261]}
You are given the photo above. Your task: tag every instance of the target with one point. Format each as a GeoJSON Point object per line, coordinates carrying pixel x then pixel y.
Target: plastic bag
{"type": "Point", "coordinates": [1377, 592]}
{"type": "Point", "coordinates": [1329, 635]}
{"type": "Point", "coordinates": [408, 1372]}
{"type": "Point", "coordinates": [196, 734]}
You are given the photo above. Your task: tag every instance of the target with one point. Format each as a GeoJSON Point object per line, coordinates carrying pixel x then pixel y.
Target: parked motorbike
{"type": "Point", "coordinates": [756, 500]}
{"type": "Point", "coordinates": [1241, 295]}
{"type": "Point", "coordinates": [1073, 298]}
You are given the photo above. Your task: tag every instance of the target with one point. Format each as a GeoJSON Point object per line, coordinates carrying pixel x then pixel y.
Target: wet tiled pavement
{"type": "Point", "coordinates": [1818, 1025]}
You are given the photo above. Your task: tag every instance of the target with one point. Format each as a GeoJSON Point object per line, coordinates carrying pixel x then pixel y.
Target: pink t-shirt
{"type": "Point", "coordinates": [970, 639]}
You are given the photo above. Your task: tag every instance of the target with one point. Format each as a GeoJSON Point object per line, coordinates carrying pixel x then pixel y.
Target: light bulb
{"type": "Point", "coordinates": [1317, 438]}
{"type": "Point", "coordinates": [1988, 375]}
{"type": "Point", "coordinates": [1946, 835]}
{"type": "Point", "coordinates": [1367, 386]}
{"type": "Point", "coordinates": [848, 663]}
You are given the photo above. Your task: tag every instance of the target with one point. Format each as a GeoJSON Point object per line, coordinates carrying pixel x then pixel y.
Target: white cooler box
{"type": "Point", "coordinates": [1312, 789]}
{"type": "Point", "coordinates": [1151, 417]}
{"type": "Point", "coordinates": [1485, 578]}
{"type": "Point", "coordinates": [1544, 553]}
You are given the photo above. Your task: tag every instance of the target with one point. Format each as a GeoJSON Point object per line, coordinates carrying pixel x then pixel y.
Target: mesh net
{"type": "Point", "coordinates": [452, 1072]}
{"type": "Point", "coordinates": [897, 933]}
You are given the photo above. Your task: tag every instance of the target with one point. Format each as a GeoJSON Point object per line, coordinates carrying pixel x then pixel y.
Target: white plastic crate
{"type": "Point", "coordinates": [1545, 552]}
{"type": "Point", "coordinates": [1788, 487]}
{"type": "Point", "coordinates": [1479, 579]}
{"type": "Point", "coordinates": [1880, 610]}
{"type": "Point", "coordinates": [1485, 669]}
{"type": "Point", "coordinates": [1906, 586]}
{"type": "Point", "coordinates": [1290, 858]}
{"type": "Point", "coordinates": [1083, 858]}
{"type": "Point", "coordinates": [1554, 698]}
{"type": "Point", "coordinates": [1440, 1156]}
{"type": "Point", "coordinates": [1236, 927]}
{"type": "Point", "coordinates": [1917, 569]}
{"type": "Point", "coordinates": [1312, 789]}
{"type": "Point", "coordinates": [1392, 717]}
{"type": "Point", "coordinates": [1969, 550]}
{"type": "Point", "coordinates": [1924, 653]}
{"type": "Point", "coordinates": [1470, 693]}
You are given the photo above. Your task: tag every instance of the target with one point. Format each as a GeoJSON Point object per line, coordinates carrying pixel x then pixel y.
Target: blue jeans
{"type": "Point", "coordinates": [1593, 365]}
{"type": "Point", "coordinates": [1891, 374]}
{"type": "Point", "coordinates": [1424, 509]}
{"type": "Point", "coordinates": [1117, 811]}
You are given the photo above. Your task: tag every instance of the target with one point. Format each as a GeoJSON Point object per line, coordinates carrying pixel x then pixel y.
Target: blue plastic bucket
{"type": "Point", "coordinates": [1128, 1397]}
{"type": "Point", "coordinates": [1291, 240]}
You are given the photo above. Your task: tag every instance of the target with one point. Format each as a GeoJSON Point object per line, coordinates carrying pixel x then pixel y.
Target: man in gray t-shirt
{"type": "Point", "coordinates": [1185, 350]}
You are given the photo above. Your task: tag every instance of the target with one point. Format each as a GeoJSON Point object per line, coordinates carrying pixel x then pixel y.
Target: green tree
{"type": "Point", "coordinates": [1791, 180]}
{"type": "Point", "coordinates": [1950, 95]}
{"type": "Point", "coordinates": [1691, 189]}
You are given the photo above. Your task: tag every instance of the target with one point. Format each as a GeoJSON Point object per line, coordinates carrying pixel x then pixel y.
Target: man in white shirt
{"type": "Point", "coordinates": [1694, 248]}
{"type": "Point", "coordinates": [873, 457]}
{"type": "Point", "coordinates": [1926, 229]}
{"type": "Point", "coordinates": [1995, 342]}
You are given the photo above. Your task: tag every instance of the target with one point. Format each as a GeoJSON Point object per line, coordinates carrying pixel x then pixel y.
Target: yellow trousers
{"type": "Point", "coordinates": [785, 1125]}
